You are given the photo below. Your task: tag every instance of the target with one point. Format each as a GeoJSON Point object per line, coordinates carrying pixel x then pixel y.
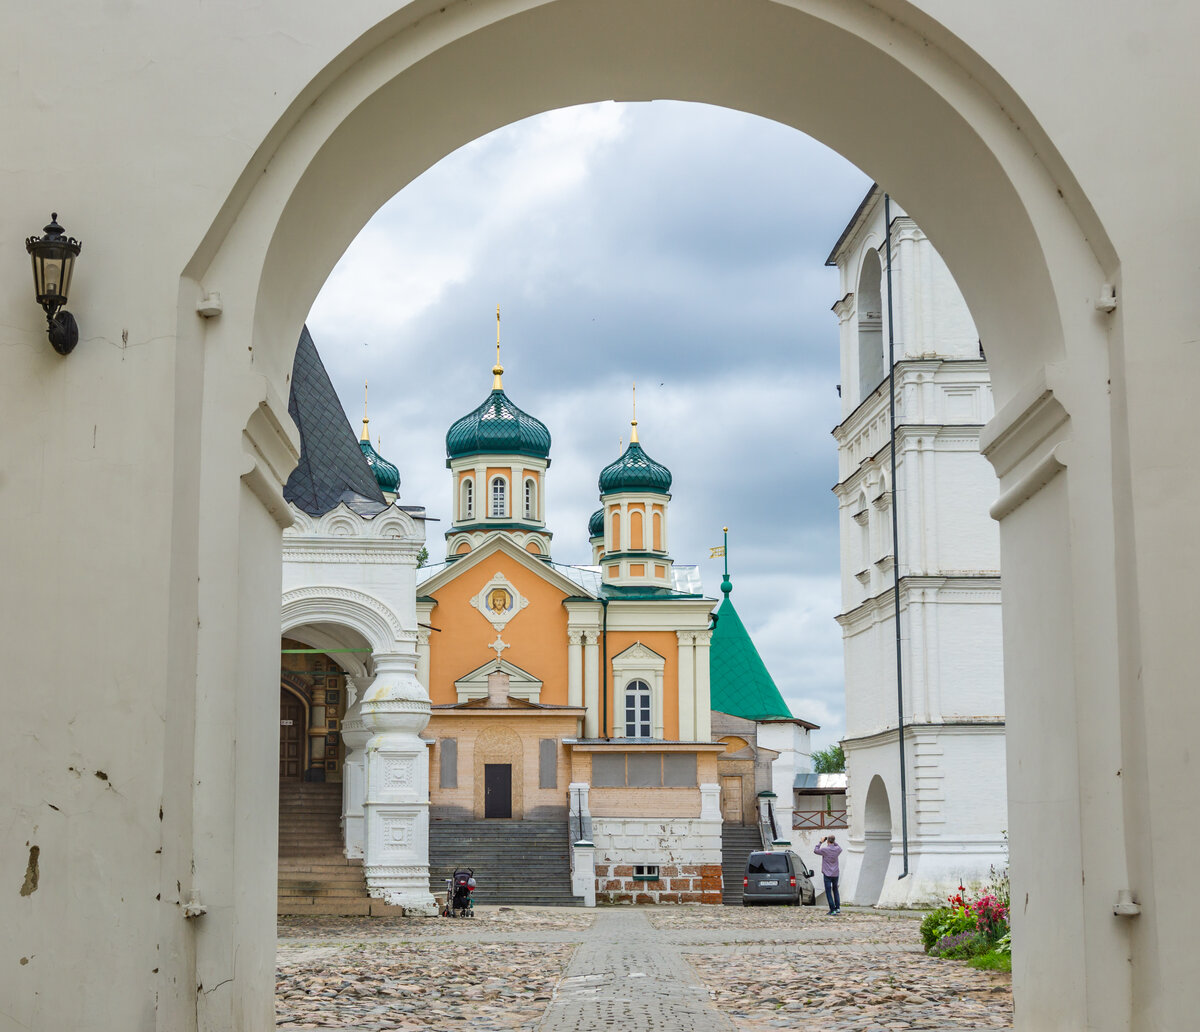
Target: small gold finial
{"type": "Point", "coordinates": [633, 433]}
{"type": "Point", "coordinates": [726, 529]}
{"type": "Point", "coordinates": [497, 369]}
{"type": "Point", "coordinates": [365, 436]}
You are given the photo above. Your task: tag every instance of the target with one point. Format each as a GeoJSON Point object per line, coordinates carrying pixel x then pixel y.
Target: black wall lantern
{"type": "Point", "coordinates": [53, 262]}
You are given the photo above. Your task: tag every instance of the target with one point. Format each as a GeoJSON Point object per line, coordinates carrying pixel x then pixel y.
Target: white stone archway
{"type": "Point", "coordinates": [250, 182]}
{"type": "Point", "coordinates": [428, 88]}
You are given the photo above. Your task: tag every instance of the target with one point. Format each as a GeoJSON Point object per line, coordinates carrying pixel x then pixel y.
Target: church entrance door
{"type": "Point", "coordinates": [497, 790]}
{"type": "Point", "coordinates": [292, 726]}
{"type": "Point", "coordinates": [732, 811]}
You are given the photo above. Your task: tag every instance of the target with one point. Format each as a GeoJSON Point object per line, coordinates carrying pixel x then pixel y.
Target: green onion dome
{"type": "Point", "coordinates": [387, 476]}
{"type": "Point", "coordinates": [596, 524]}
{"type": "Point", "coordinates": [635, 471]}
{"type": "Point", "coordinates": [498, 427]}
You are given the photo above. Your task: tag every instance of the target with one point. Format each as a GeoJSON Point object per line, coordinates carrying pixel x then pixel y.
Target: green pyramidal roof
{"type": "Point", "coordinates": [740, 682]}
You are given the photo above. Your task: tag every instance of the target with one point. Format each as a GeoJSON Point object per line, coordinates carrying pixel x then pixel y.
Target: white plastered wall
{"type": "Point", "coordinates": [244, 165]}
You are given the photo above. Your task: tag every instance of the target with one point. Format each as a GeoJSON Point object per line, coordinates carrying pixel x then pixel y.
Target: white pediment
{"type": "Point", "coordinates": [521, 683]}
{"type": "Point", "coordinates": [638, 655]}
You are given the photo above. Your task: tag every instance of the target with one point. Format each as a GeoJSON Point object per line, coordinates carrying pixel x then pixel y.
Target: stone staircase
{"type": "Point", "coordinates": [315, 878]}
{"type": "Point", "coordinates": [517, 863]}
{"type": "Point", "coordinates": [737, 843]}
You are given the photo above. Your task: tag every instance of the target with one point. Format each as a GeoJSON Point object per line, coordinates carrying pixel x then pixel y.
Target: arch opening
{"type": "Point", "coordinates": [871, 359]}
{"type": "Point", "coordinates": [877, 848]}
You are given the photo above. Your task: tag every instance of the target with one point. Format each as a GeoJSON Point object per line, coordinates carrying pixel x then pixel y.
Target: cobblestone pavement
{"type": "Point", "coordinates": [669, 968]}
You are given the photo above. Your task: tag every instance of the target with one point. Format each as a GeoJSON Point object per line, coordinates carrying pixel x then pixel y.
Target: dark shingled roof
{"type": "Point", "coordinates": [332, 468]}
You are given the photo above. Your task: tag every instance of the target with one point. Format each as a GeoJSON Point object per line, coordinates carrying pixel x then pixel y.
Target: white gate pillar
{"type": "Point", "coordinates": [394, 710]}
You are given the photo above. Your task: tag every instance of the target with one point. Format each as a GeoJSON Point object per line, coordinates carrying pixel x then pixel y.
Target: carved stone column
{"type": "Point", "coordinates": [423, 657]}
{"type": "Point", "coordinates": [395, 709]}
{"type": "Point", "coordinates": [354, 779]}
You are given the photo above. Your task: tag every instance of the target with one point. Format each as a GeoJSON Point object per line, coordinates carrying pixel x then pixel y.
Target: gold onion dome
{"type": "Point", "coordinates": [498, 427]}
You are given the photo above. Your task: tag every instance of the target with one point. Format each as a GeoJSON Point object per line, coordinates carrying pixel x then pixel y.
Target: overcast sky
{"type": "Point", "coordinates": [676, 245]}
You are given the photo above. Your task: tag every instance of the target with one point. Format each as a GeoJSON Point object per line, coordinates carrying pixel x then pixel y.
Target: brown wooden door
{"type": "Point", "coordinates": [291, 735]}
{"type": "Point", "coordinates": [731, 799]}
{"type": "Point", "coordinates": [497, 790]}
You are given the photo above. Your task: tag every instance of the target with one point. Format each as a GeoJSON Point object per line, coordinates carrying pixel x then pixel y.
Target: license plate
{"type": "Point", "coordinates": [768, 884]}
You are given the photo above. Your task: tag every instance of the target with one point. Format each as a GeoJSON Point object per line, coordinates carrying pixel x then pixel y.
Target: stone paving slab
{"type": "Point", "coordinates": [487, 920]}
{"type": "Point", "coordinates": [624, 975]}
{"type": "Point", "coordinates": [861, 988]}
{"type": "Point", "coordinates": [672, 969]}
{"type": "Point", "coordinates": [439, 987]}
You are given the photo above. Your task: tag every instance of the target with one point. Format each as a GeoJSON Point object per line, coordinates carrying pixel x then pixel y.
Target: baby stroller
{"type": "Point", "coordinates": [459, 889]}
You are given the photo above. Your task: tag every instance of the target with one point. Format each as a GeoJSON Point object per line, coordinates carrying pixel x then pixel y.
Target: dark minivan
{"type": "Point", "coordinates": [777, 876]}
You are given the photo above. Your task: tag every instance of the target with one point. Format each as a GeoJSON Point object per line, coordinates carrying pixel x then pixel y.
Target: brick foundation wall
{"type": "Point", "coordinates": [677, 883]}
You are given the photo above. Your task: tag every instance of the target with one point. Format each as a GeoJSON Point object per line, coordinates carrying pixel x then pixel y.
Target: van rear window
{"type": "Point", "coordinates": [767, 863]}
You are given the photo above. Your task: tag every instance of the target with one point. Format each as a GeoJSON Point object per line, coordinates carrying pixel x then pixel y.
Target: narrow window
{"type": "Point", "coordinates": [645, 872]}
{"type": "Point", "coordinates": [448, 763]}
{"type": "Point", "coordinates": [530, 500]}
{"type": "Point", "coordinates": [499, 506]}
{"type": "Point", "coordinates": [468, 499]}
{"type": "Point", "coordinates": [548, 763]}
{"type": "Point", "coordinates": [637, 710]}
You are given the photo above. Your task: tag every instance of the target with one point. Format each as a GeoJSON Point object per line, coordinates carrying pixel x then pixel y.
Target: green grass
{"type": "Point", "coordinates": [992, 962]}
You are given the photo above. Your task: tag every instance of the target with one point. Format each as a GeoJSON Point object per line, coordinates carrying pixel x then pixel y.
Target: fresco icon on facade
{"type": "Point", "coordinates": [499, 601]}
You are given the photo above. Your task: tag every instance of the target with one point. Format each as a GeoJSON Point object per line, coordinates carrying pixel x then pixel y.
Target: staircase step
{"type": "Point", "coordinates": [515, 862]}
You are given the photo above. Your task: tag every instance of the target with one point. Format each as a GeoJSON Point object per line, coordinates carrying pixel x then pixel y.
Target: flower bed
{"type": "Point", "coordinates": [972, 930]}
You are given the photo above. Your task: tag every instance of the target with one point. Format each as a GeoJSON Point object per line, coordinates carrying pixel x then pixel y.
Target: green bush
{"type": "Point", "coordinates": [993, 960]}
{"type": "Point", "coordinates": [943, 922]}
{"type": "Point", "coordinates": [961, 945]}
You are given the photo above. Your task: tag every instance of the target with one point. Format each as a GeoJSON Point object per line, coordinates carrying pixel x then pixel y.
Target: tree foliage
{"type": "Point", "coordinates": [829, 761]}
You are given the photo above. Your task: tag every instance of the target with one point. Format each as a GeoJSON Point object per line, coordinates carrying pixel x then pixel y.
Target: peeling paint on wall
{"type": "Point", "coordinates": [31, 872]}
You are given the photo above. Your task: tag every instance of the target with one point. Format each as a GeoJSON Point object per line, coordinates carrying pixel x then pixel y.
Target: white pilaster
{"type": "Point", "coordinates": [656, 706]}
{"type": "Point", "coordinates": [591, 685]}
{"type": "Point", "coordinates": [574, 668]}
{"type": "Point", "coordinates": [703, 711]}
{"type": "Point", "coordinates": [686, 688]}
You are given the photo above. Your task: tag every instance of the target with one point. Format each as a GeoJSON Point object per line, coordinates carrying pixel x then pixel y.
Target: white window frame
{"type": "Point", "coordinates": [531, 509]}
{"type": "Point", "coordinates": [643, 720]}
{"type": "Point", "coordinates": [502, 484]}
{"type": "Point", "coordinates": [466, 499]}
{"type": "Point", "coordinates": [640, 663]}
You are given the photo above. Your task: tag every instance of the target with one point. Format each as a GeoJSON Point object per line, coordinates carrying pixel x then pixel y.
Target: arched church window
{"type": "Point", "coordinates": [499, 501]}
{"type": "Point", "coordinates": [468, 499]}
{"type": "Point", "coordinates": [530, 500]}
{"type": "Point", "coordinates": [637, 710]}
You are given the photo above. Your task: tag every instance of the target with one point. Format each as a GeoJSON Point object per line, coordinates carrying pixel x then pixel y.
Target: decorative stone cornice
{"type": "Point", "coordinates": [342, 525]}
{"type": "Point", "coordinates": [981, 588]}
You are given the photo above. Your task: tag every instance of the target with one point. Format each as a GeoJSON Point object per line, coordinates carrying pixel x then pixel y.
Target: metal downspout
{"type": "Point", "coordinates": [887, 220]}
{"type": "Point", "coordinates": [604, 668]}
